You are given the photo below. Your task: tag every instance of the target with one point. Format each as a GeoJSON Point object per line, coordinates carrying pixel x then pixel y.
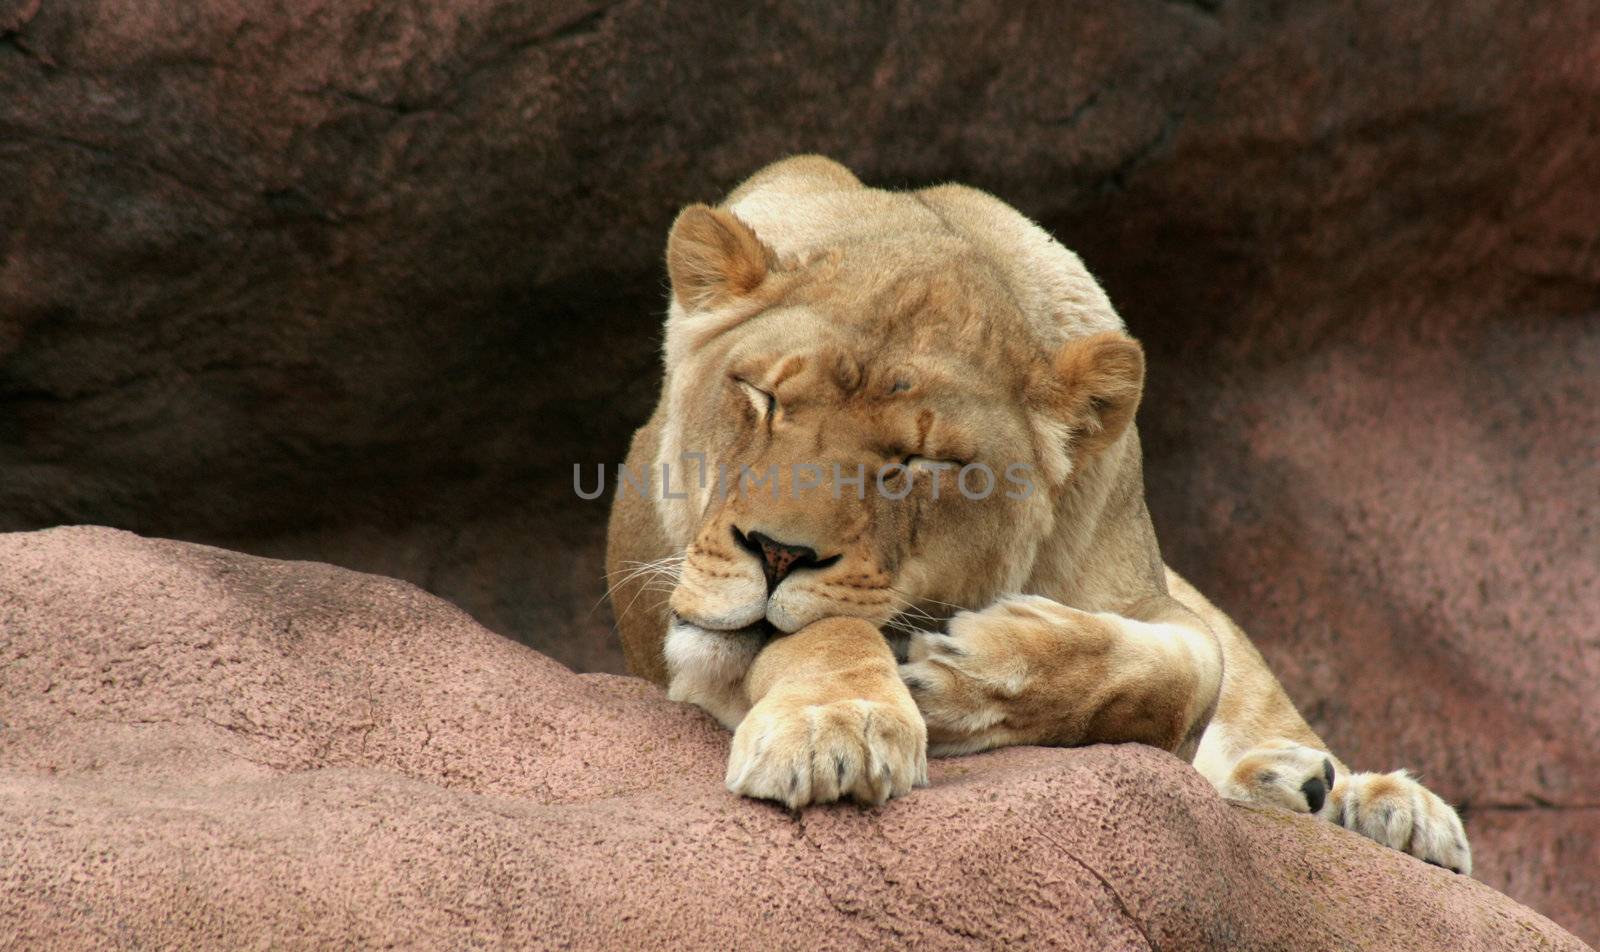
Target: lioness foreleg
{"type": "Point", "coordinates": [829, 719]}
{"type": "Point", "coordinates": [1029, 670]}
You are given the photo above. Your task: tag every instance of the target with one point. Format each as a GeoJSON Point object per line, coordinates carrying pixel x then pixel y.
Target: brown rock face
{"type": "Point", "coordinates": [206, 749]}
{"type": "Point", "coordinates": [361, 281]}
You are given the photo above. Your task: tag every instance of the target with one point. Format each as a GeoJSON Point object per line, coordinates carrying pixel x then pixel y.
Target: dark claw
{"type": "Point", "coordinates": [1327, 772]}
{"type": "Point", "coordinates": [917, 684]}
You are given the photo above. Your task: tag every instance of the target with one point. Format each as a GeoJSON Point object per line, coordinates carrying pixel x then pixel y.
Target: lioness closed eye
{"type": "Point", "coordinates": [846, 369]}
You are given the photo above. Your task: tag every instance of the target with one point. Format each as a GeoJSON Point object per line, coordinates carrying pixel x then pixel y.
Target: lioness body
{"type": "Point", "coordinates": [819, 326]}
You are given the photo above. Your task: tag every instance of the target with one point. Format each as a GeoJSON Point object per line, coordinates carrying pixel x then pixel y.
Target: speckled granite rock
{"type": "Point", "coordinates": [206, 749]}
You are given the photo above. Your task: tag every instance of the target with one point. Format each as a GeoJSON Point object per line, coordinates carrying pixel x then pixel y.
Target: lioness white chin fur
{"type": "Point", "coordinates": [818, 326]}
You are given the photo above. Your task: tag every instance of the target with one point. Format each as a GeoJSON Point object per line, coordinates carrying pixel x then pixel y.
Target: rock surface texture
{"type": "Point", "coordinates": [204, 749]}
{"type": "Point", "coordinates": [360, 281]}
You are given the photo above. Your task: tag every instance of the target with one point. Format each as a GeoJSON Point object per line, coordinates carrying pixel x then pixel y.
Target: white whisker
{"type": "Point", "coordinates": [667, 570]}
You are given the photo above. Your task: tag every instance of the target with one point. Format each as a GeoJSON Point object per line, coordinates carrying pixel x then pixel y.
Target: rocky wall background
{"type": "Point", "coordinates": [359, 282]}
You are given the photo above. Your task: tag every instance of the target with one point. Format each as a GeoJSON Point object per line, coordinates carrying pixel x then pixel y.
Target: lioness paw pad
{"type": "Point", "coordinates": [800, 754]}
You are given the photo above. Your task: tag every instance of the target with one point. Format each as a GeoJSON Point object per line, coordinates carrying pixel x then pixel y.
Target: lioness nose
{"type": "Point", "coordinates": [778, 559]}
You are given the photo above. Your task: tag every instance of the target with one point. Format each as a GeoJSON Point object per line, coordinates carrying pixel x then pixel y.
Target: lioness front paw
{"type": "Point", "coordinates": [961, 689]}
{"type": "Point", "coordinates": [1399, 812]}
{"type": "Point", "coordinates": [800, 753]}
{"type": "Point", "coordinates": [968, 683]}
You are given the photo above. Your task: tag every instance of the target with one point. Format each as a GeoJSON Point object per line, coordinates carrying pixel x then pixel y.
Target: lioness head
{"type": "Point", "coordinates": [870, 428]}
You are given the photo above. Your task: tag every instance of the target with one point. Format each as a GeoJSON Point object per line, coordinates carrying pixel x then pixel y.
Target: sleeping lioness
{"type": "Point", "coordinates": [804, 551]}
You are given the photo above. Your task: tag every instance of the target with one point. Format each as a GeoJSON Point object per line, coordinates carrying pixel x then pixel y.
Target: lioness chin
{"type": "Point", "coordinates": [839, 362]}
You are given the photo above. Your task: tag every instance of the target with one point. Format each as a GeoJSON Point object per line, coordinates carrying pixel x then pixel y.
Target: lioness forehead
{"type": "Point", "coordinates": [896, 316]}
{"type": "Point", "coordinates": [798, 349]}
{"type": "Point", "coordinates": [908, 287]}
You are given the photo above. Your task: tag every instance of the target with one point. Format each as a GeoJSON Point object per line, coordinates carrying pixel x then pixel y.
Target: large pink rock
{"type": "Point", "coordinates": [206, 749]}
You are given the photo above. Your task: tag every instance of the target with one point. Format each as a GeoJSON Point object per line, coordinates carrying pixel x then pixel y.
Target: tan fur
{"type": "Point", "coordinates": [816, 322]}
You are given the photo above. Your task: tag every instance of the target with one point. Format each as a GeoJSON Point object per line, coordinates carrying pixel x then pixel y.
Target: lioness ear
{"type": "Point", "coordinates": [714, 257]}
{"type": "Point", "coordinates": [1098, 381]}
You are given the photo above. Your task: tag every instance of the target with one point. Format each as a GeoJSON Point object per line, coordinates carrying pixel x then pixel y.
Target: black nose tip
{"type": "Point", "coordinates": [1316, 793]}
{"type": "Point", "coordinates": [778, 559]}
